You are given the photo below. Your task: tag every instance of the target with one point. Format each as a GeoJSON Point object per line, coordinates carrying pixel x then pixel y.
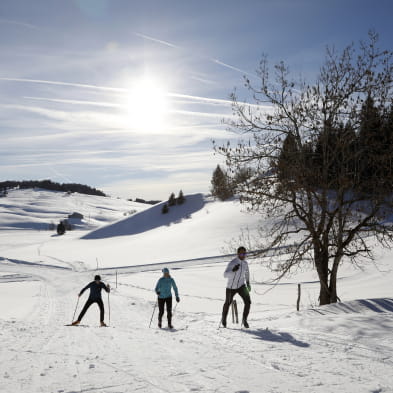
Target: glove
{"type": "Point", "coordinates": [248, 286]}
{"type": "Point", "coordinates": [177, 299]}
{"type": "Point", "coordinates": [236, 268]}
{"type": "Point", "coordinates": [158, 293]}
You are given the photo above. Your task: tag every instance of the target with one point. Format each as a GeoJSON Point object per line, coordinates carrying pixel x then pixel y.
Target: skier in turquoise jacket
{"type": "Point", "coordinates": [164, 291]}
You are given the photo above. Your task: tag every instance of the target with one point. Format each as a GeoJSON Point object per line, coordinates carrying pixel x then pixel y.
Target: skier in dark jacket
{"type": "Point", "coordinates": [95, 297]}
{"type": "Point", "coordinates": [164, 291]}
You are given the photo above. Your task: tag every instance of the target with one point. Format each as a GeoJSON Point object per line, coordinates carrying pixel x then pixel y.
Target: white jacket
{"type": "Point", "coordinates": [239, 277]}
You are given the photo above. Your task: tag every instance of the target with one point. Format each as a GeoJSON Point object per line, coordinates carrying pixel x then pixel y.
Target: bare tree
{"type": "Point", "coordinates": [302, 161]}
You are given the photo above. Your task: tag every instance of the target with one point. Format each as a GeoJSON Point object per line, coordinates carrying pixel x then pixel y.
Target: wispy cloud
{"type": "Point", "coordinates": [113, 89]}
{"type": "Point", "coordinates": [74, 102]}
{"type": "Point", "coordinates": [72, 84]}
{"type": "Point", "coordinates": [201, 99]}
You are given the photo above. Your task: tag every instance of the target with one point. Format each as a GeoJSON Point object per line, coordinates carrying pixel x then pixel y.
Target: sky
{"type": "Point", "coordinates": [127, 96]}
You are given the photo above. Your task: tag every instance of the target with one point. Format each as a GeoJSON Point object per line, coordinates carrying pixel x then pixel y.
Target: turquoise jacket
{"type": "Point", "coordinates": [164, 286]}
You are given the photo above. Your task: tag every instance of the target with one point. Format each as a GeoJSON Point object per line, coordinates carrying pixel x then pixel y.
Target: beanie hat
{"type": "Point", "coordinates": [165, 270]}
{"type": "Point", "coordinates": [97, 278]}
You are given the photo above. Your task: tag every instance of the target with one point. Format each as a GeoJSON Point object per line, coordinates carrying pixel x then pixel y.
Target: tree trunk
{"type": "Point", "coordinates": [324, 293]}
{"type": "Point", "coordinates": [322, 266]}
{"type": "Point", "coordinates": [333, 280]}
{"type": "Point", "coordinates": [333, 289]}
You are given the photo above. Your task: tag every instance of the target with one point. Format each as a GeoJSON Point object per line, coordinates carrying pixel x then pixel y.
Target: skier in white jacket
{"type": "Point", "coordinates": [238, 276]}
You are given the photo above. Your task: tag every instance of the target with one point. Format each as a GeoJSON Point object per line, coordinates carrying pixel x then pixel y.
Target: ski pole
{"type": "Point", "coordinates": [77, 302]}
{"type": "Point", "coordinates": [109, 310]}
{"type": "Point", "coordinates": [154, 309]}
{"type": "Point", "coordinates": [234, 303]}
{"type": "Point", "coordinates": [173, 312]}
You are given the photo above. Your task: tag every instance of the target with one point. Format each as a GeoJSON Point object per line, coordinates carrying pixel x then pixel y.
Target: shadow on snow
{"type": "Point", "coordinates": [278, 337]}
{"type": "Point", "coordinates": [150, 219]}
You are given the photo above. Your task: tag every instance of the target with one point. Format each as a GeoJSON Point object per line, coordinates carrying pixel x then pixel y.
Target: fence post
{"type": "Point", "coordinates": [298, 296]}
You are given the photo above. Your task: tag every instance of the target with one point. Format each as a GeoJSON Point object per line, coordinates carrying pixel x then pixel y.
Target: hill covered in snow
{"type": "Point", "coordinates": [345, 347]}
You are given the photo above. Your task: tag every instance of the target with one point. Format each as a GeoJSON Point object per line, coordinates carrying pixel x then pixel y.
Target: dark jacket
{"type": "Point", "coordinates": [95, 289]}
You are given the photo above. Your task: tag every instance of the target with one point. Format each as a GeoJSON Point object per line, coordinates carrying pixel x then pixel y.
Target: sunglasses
{"type": "Point", "coordinates": [242, 253]}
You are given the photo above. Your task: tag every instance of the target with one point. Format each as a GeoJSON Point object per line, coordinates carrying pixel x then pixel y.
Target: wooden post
{"type": "Point", "coordinates": [298, 297]}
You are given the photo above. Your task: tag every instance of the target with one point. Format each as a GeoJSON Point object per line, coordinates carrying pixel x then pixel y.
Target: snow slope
{"type": "Point", "coordinates": [346, 347]}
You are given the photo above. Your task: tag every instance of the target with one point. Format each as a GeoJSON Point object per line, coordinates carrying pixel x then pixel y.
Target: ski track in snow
{"type": "Point", "coordinates": [199, 357]}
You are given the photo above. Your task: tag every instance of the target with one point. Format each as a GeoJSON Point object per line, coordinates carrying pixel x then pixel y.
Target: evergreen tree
{"type": "Point", "coordinates": [334, 157]}
{"type": "Point", "coordinates": [172, 200]}
{"type": "Point", "coordinates": [287, 164]}
{"type": "Point", "coordinates": [371, 146]}
{"type": "Point", "coordinates": [387, 137]}
{"type": "Point", "coordinates": [221, 185]}
{"type": "Point", "coordinates": [180, 199]}
{"type": "Point", "coordinates": [165, 209]}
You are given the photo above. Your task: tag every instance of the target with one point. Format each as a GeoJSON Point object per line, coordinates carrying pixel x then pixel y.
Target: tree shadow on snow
{"type": "Point", "coordinates": [378, 305]}
{"type": "Point", "coordinates": [278, 337]}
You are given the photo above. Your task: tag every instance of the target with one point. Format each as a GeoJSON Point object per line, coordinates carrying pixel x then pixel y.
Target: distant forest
{"type": "Point", "coordinates": [50, 185]}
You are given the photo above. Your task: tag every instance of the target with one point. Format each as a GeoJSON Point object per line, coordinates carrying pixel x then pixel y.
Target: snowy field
{"type": "Point", "coordinates": [347, 347]}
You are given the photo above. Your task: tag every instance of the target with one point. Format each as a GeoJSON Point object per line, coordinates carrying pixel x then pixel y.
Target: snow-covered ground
{"type": "Point", "coordinates": [347, 347]}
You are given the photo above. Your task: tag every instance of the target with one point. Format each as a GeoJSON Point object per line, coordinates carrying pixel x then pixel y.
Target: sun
{"type": "Point", "coordinates": [147, 105]}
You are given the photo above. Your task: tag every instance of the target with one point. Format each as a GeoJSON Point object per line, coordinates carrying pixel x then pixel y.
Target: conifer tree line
{"type": "Point", "coordinates": [173, 201]}
{"type": "Point", "coordinates": [356, 155]}
{"type": "Point", "coordinates": [52, 186]}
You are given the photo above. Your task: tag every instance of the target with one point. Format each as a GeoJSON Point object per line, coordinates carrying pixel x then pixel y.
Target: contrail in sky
{"type": "Point", "coordinates": [22, 24]}
{"type": "Point", "coordinates": [230, 67]}
{"type": "Point", "coordinates": [157, 40]}
{"type": "Point", "coordinates": [216, 61]}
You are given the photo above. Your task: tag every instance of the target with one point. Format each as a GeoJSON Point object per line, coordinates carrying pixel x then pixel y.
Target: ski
{"type": "Point", "coordinates": [173, 329]}
{"type": "Point", "coordinates": [70, 324]}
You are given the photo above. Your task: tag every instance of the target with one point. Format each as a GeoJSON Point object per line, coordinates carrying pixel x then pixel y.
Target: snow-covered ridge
{"type": "Point", "coordinates": [37, 209]}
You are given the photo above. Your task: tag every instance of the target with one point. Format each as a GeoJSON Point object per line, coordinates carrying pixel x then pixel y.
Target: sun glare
{"type": "Point", "coordinates": [147, 106]}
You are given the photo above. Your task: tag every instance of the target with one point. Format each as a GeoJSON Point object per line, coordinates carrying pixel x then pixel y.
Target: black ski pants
{"type": "Point", "coordinates": [161, 308]}
{"type": "Point", "coordinates": [88, 304]}
{"type": "Point", "coordinates": [244, 294]}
